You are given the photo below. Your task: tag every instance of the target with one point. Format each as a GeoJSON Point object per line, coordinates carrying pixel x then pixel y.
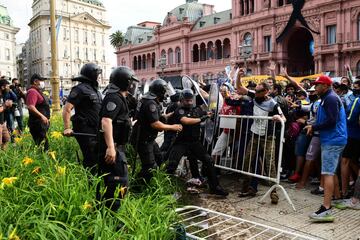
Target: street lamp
{"type": "Point", "coordinates": [162, 65]}
{"type": "Point", "coordinates": [245, 52]}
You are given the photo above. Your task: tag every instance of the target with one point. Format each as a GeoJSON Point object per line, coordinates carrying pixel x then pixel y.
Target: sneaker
{"type": "Point", "coordinates": [219, 191]}
{"type": "Point", "coordinates": [249, 193]}
{"type": "Point", "coordinates": [295, 178]}
{"type": "Point", "coordinates": [274, 197]}
{"type": "Point", "coordinates": [317, 191]}
{"type": "Point", "coordinates": [322, 215]}
{"type": "Point", "coordinates": [335, 202]}
{"type": "Point", "coordinates": [192, 190]}
{"type": "Point", "coordinates": [194, 182]}
{"type": "Point", "coordinates": [348, 203]}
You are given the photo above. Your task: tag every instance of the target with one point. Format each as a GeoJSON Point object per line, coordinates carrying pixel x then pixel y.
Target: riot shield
{"type": "Point", "coordinates": [146, 86]}
{"type": "Point", "coordinates": [215, 103]}
{"type": "Point", "coordinates": [189, 83]}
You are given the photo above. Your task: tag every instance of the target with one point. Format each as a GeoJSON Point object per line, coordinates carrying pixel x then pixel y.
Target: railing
{"type": "Point", "coordinates": [252, 146]}
{"type": "Point", "coordinates": [200, 223]}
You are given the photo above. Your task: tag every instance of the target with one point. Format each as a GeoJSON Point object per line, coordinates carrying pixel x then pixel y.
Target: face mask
{"type": "Point", "coordinates": [356, 92]}
{"type": "Point", "coordinates": [259, 100]}
{"type": "Point", "coordinates": [313, 98]}
{"type": "Point", "coordinates": [42, 85]}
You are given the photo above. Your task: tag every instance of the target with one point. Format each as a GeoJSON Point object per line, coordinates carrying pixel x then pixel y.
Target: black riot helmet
{"type": "Point", "coordinates": [122, 77]}
{"type": "Point", "coordinates": [89, 73]}
{"type": "Point", "coordinates": [158, 88]}
{"type": "Point", "coordinates": [187, 93]}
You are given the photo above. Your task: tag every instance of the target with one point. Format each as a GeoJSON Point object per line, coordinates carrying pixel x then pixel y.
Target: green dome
{"type": "Point", "coordinates": [4, 16]}
{"type": "Point", "coordinates": [191, 9]}
{"type": "Point", "coordinates": [94, 2]}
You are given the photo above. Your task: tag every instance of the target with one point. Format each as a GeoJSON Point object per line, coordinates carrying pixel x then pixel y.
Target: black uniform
{"type": "Point", "coordinates": [188, 142]}
{"type": "Point", "coordinates": [115, 107]}
{"type": "Point", "coordinates": [169, 136]}
{"type": "Point", "coordinates": [148, 111]}
{"type": "Point", "coordinates": [87, 103]}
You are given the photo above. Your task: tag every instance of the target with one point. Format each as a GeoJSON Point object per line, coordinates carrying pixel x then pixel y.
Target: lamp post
{"type": "Point", "coordinates": [54, 79]}
{"type": "Point", "coordinates": [162, 65]}
{"type": "Point", "coordinates": [245, 52]}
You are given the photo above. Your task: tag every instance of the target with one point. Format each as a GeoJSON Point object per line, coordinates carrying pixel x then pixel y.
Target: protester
{"type": "Point", "coordinates": [4, 132]}
{"type": "Point", "coordinates": [39, 111]}
{"type": "Point", "coordinates": [20, 95]}
{"type": "Point", "coordinates": [331, 124]}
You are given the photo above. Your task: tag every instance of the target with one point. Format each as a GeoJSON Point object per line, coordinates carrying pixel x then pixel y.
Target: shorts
{"type": "Point", "coordinates": [4, 134]}
{"type": "Point", "coordinates": [314, 150]}
{"type": "Point", "coordinates": [301, 145]}
{"type": "Point", "coordinates": [330, 156]}
{"type": "Point", "coordinates": [352, 150]}
{"type": "Point", "coordinates": [221, 144]}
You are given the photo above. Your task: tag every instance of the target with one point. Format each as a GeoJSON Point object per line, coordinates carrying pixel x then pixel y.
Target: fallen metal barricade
{"type": "Point", "coordinates": [200, 223]}
{"type": "Point", "coordinates": [251, 146]}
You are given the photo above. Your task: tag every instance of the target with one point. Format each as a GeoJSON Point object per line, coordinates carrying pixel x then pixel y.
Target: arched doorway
{"type": "Point", "coordinates": [300, 53]}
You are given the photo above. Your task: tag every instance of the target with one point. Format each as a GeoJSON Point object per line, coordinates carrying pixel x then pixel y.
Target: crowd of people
{"type": "Point", "coordinates": [322, 130]}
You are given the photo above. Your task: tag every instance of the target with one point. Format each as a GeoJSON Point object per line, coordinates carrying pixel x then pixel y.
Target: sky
{"type": "Point", "coordinates": [120, 13]}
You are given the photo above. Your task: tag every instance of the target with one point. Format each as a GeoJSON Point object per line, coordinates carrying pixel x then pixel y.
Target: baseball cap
{"type": "Point", "coordinates": [323, 80]}
{"type": "Point", "coordinates": [36, 77]}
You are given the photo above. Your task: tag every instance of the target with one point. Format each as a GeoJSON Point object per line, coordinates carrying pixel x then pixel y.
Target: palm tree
{"type": "Point", "coordinates": [116, 39]}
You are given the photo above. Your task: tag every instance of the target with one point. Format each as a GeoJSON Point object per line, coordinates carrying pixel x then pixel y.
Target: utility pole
{"type": "Point", "coordinates": [54, 80]}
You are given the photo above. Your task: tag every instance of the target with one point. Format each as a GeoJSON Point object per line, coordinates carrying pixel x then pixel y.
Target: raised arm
{"type": "Point", "coordinates": [290, 79]}
{"type": "Point", "coordinates": [239, 86]}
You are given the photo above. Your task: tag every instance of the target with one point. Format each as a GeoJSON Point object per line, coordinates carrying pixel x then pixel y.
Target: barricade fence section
{"type": "Point", "coordinates": [251, 146]}
{"type": "Point", "coordinates": [200, 223]}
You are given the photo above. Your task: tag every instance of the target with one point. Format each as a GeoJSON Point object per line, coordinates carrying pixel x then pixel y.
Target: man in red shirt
{"type": "Point", "coordinates": [39, 111]}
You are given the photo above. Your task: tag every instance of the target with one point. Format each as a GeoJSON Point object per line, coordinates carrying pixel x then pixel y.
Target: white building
{"type": "Point", "coordinates": [83, 37]}
{"type": "Point", "coordinates": [7, 44]}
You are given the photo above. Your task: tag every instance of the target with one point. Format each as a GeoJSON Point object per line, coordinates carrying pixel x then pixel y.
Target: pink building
{"type": "Point", "coordinates": [308, 36]}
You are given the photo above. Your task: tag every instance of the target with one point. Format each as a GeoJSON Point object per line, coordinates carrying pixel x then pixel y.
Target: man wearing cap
{"type": "Point", "coordinates": [39, 111]}
{"type": "Point", "coordinates": [331, 124]}
{"type": "Point", "coordinates": [86, 100]}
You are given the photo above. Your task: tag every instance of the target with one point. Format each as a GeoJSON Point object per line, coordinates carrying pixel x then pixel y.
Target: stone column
{"type": "Point", "coordinates": [339, 27]}
{"type": "Point", "coordinates": [273, 3]}
{"type": "Point", "coordinates": [337, 64]}
{"type": "Point", "coordinates": [323, 30]}
{"type": "Point", "coordinates": [320, 65]}
{"type": "Point", "coordinates": [258, 65]}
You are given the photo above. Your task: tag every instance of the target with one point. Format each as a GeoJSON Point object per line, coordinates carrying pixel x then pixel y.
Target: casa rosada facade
{"type": "Point", "coordinates": [307, 36]}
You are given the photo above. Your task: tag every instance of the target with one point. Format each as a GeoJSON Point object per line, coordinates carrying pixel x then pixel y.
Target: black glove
{"type": "Point", "coordinates": [203, 118]}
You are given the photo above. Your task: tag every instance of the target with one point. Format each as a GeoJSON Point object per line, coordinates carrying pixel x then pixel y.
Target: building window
{"type": "Point", "coordinates": [248, 39]}
{"type": "Point", "coordinates": [94, 38]}
{"type": "Point", "coordinates": [170, 56]}
{"type": "Point", "coordinates": [77, 51]}
{"type": "Point", "coordinates": [242, 8]}
{"type": "Point", "coordinates": [7, 54]}
{"type": "Point", "coordinates": [65, 52]}
{"type": "Point", "coordinates": [280, 3]}
{"type": "Point", "coordinates": [7, 36]}
{"type": "Point", "coordinates": [331, 34]}
{"type": "Point", "coordinates": [267, 44]}
{"type": "Point", "coordinates": [85, 37]}
{"type": "Point", "coordinates": [76, 35]}
{"type": "Point", "coordinates": [178, 55]}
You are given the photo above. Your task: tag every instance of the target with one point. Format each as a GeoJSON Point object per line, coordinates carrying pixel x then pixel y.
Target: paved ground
{"type": "Point", "coordinates": [346, 225]}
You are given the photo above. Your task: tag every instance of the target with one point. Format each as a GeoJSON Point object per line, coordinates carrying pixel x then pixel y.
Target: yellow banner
{"type": "Point", "coordinates": [259, 78]}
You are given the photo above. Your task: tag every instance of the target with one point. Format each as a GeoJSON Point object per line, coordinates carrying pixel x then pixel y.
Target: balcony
{"type": "Point", "coordinates": [210, 63]}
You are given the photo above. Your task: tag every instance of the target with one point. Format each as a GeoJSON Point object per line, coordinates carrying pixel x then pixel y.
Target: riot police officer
{"type": "Point", "coordinates": [86, 100]}
{"type": "Point", "coordinates": [188, 141]}
{"type": "Point", "coordinates": [115, 124]}
{"type": "Point", "coordinates": [148, 116]}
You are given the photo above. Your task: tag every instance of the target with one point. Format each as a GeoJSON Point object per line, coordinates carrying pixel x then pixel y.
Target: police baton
{"type": "Point", "coordinates": [74, 134]}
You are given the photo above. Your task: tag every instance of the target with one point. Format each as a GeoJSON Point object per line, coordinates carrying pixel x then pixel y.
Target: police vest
{"type": "Point", "coordinates": [121, 123]}
{"type": "Point", "coordinates": [86, 115]}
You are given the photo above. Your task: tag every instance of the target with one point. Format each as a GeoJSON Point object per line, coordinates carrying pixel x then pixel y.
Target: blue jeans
{"type": "Point", "coordinates": [330, 156]}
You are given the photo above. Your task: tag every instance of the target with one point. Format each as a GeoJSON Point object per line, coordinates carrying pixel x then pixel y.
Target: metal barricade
{"type": "Point", "coordinates": [252, 146]}
{"type": "Point", "coordinates": [200, 223]}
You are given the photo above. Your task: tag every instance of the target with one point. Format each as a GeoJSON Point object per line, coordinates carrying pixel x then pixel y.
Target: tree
{"type": "Point", "coordinates": [116, 39]}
